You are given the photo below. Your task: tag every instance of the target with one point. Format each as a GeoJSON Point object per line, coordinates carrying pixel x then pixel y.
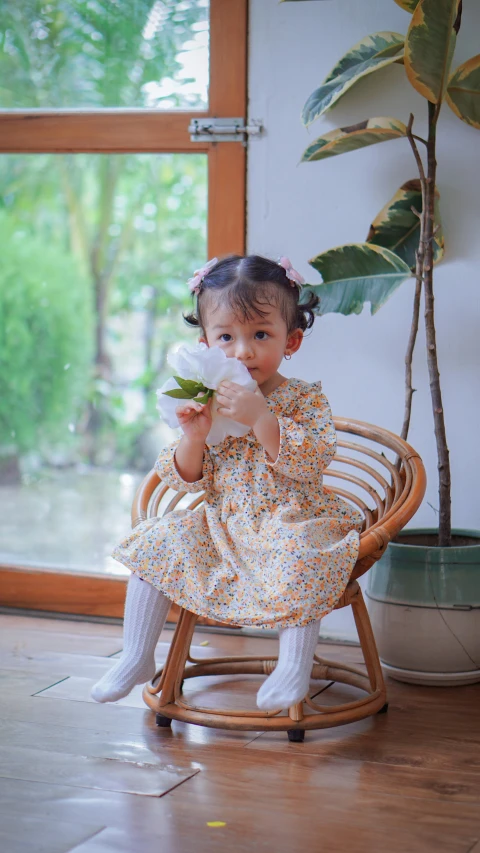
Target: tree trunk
{"type": "Point", "coordinates": [102, 360]}
{"type": "Point", "coordinates": [445, 532]}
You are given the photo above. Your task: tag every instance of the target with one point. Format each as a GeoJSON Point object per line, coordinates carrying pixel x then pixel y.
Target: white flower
{"type": "Point", "coordinates": [210, 366]}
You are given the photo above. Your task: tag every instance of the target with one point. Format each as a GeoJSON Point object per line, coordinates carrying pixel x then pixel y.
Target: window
{"type": "Point", "coordinates": [106, 207]}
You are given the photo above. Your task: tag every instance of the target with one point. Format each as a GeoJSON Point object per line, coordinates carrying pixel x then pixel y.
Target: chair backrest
{"type": "Point", "coordinates": [387, 491]}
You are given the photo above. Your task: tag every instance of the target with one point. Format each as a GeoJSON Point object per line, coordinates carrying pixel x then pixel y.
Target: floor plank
{"type": "Point", "coordinates": [37, 834]}
{"type": "Point", "coordinates": [84, 771]}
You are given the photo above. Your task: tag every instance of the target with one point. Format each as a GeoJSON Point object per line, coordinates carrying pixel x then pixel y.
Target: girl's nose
{"type": "Point", "coordinates": [243, 350]}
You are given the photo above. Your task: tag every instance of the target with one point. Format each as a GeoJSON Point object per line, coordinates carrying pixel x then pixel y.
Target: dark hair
{"type": "Point", "coordinates": [249, 282]}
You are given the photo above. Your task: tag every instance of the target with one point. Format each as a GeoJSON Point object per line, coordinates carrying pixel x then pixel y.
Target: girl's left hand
{"type": "Point", "coordinates": [235, 402]}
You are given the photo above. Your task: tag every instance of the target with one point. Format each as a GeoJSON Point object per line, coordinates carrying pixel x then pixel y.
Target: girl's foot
{"type": "Point", "coordinates": [119, 681]}
{"type": "Point", "coordinates": [146, 609]}
{"type": "Point", "coordinates": [289, 681]}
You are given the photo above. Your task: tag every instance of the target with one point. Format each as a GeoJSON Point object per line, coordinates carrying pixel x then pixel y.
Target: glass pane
{"type": "Point", "coordinates": [96, 252]}
{"type": "Point", "coordinates": [104, 53]}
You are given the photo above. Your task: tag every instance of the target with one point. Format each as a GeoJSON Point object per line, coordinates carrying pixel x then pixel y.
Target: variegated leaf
{"type": "Point", "coordinates": [360, 135]}
{"type": "Point", "coordinates": [408, 5]}
{"type": "Point", "coordinates": [463, 92]}
{"type": "Point", "coordinates": [398, 228]}
{"type": "Point", "coordinates": [357, 273]}
{"type": "Point", "coordinates": [429, 46]}
{"type": "Point", "coordinates": [365, 57]}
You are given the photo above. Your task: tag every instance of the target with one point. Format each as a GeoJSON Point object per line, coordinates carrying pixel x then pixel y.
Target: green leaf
{"type": "Point", "coordinates": [368, 55]}
{"type": "Point", "coordinates": [205, 397]}
{"type": "Point", "coordinates": [429, 46]}
{"type": "Point", "coordinates": [397, 228]}
{"type": "Point", "coordinates": [408, 5]}
{"type": "Point", "coordinates": [360, 135]}
{"type": "Point", "coordinates": [463, 91]}
{"type": "Point", "coordinates": [357, 273]}
{"type": "Point", "coordinates": [178, 394]}
{"type": "Point", "coordinates": [190, 385]}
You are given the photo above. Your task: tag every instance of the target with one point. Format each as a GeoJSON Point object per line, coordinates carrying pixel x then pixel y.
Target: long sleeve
{"type": "Point", "coordinates": [307, 437]}
{"type": "Point", "coordinates": [167, 471]}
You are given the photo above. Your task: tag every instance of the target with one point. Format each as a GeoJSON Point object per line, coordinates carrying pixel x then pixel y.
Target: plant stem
{"type": "Point", "coordinates": [409, 390]}
{"type": "Point", "coordinates": [419, 259]}
{"type": "Point", "coordinates": [445, 531]}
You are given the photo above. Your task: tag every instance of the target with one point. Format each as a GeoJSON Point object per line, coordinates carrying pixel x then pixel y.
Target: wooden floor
{"type": "Point", "coordinates": [92, 778]}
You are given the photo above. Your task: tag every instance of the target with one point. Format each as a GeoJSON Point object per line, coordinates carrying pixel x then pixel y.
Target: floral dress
{"type": "Point", "coordinates": [270, 546]}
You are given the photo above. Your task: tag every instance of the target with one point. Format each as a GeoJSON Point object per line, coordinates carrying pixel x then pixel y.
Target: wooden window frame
{"type": "Point", "coordinates": [118, 131]}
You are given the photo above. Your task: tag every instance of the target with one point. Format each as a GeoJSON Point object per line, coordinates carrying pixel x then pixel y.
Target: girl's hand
{"type": "Point", "coordinates": [235, 402]}
{"type": "Point", "coordinates": [195, 419]}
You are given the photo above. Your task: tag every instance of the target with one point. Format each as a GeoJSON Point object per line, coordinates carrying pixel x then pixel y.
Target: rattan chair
{"type": "Point", "coordinates": [392, 498]}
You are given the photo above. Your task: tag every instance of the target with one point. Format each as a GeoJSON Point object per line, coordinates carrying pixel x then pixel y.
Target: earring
{"type": "Point", "coordinates": [287, 356]}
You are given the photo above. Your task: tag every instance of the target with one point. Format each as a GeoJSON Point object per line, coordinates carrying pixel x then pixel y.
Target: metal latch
{"type": "Point", "coordinates": [223, 129]}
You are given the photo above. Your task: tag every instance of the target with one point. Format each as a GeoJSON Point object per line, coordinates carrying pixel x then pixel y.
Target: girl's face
{"type": "Point", "coordinates": [260, 343]}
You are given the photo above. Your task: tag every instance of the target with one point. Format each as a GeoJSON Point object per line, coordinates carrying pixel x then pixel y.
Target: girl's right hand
{"type": "Point", "coordinates": [195, 419]}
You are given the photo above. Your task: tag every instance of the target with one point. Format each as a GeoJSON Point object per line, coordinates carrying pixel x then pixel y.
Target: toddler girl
{"type": "Point", "coordinates": [270, 546]}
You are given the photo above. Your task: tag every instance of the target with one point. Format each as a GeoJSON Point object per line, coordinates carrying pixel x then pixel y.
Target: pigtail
{"type": "Point", "coordinates": [191, 320]}
{"type": "Point", "coordinates": [306, 310]}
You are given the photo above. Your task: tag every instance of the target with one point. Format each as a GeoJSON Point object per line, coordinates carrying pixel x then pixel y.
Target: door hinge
{"type": "Point", "coordinates": [223, 129]}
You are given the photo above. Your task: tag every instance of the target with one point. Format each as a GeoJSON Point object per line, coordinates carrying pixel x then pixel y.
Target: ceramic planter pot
{"type": "Point", "coordinates": [424, 604]}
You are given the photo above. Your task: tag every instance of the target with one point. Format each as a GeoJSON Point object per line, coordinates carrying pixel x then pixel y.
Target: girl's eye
{"type": "Point", "coordinates": [262, 336]}
{"type": "Point", "coordinates": [225, 338]}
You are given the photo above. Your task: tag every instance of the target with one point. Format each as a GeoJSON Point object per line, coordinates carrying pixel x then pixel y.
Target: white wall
{"type": "Point", "coordinates": [302, 209]}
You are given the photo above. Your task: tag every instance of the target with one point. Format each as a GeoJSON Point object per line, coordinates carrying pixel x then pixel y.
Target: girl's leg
{"type": "Point", "coordinates": [289, 681]}
{"type": "Point", "coordinates": [146, 609]}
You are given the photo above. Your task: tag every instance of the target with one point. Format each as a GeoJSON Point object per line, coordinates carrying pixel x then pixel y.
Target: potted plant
{"type": "Point", "coordinates": [425, 592]}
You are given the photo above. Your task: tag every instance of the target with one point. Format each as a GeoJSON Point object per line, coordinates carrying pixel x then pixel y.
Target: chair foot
{"type": "Point", "coordinates": [163, 722]}
{"type": "Point", "coordinates": [384, 709]}
{"type": "Point", "coordinates": [296, 735]}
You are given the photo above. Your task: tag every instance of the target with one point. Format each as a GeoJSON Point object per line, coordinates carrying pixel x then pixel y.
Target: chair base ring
{"type": "Point", "coordinates": [324, 716]}
{"type": "Point", "coordinates": [164, 693]}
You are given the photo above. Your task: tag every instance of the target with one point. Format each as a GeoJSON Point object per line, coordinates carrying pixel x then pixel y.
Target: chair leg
{"type": "Point", "coordinates": [179, 649]}
{"type": "Point", "coordinates": [367, 642]}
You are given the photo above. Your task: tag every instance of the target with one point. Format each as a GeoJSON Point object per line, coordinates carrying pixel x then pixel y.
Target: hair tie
{"type": "Point", "coordinates": [296, 280]}
{"type": "Point", "coordinates": [195, 282]}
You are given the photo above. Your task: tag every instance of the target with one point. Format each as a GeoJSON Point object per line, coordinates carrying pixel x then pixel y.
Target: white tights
{"type": "Point", "coordinates": [146, 609]}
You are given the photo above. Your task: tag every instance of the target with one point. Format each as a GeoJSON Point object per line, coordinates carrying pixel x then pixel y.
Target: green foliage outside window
{"type": "Point", "coordinates": [46, 323]}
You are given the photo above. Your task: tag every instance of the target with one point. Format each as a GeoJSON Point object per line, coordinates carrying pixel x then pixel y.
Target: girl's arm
{"type": "Point", "coordinates": [189, 458]}
{"type": "Point", "coordinates": [267, 431]}
{"type": "Point", "coordinates": [307, 438]}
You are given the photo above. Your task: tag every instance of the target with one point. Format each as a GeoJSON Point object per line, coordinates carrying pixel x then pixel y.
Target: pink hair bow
{"type": "Point", "coordinates": [198, 276]}
{"type": "Point", "coordinates": [293, 275]}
